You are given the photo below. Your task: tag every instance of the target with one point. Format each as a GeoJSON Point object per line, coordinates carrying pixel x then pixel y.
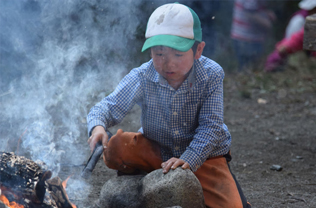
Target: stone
{"type": "Point", "coordinates": [276, 167]}
{"type": "Point", "coordinates": [121, 191]}
{"type": "Point", "coordinates": [178, 188]}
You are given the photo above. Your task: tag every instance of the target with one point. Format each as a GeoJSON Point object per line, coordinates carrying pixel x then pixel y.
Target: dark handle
{"type": "Point", "coordinates": [93, 159]}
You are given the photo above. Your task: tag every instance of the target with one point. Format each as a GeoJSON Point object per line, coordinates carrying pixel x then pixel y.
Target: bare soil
{"type": "Point", "coordinates": [272, 119]}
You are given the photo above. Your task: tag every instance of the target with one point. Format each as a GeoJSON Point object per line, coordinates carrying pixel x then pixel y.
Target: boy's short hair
{"type": "Point", "coordinates": [174, 25]}
{"type": "Point", "coordinates": [194, 47]}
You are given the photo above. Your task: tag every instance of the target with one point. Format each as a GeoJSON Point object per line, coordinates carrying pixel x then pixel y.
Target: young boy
{"type": "Point", "coordinates": [180, 93]}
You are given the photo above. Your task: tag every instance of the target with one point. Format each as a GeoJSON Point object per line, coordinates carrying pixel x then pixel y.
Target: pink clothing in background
{"type": "Point", "coordinates": [288, 46]}
{"type": "Point", "coordinates": [293, 43]}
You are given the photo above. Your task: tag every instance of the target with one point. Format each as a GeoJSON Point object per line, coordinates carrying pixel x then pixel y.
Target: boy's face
{"type": "Point", "coordinates": [173, 65]}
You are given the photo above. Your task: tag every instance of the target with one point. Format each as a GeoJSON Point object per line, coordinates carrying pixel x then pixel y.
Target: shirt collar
{"type": "Point", "coordinates": [200, 71]}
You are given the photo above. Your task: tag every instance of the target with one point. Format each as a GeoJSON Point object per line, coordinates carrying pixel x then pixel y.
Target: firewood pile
{"type": "Point", "coordinates": [26, 182]}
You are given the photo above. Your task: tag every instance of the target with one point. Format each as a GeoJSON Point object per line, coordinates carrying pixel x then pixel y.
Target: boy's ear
{"type": "Point", "coordinates": [199, 50]}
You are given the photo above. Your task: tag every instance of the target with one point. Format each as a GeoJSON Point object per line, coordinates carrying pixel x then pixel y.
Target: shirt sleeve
{"type": "Point", "coordinates": [113, 108]}
{"type": "Point", "coordinates": [212, 137]}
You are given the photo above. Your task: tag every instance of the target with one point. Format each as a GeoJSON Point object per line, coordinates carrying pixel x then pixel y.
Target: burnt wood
{"type": "Point", "coordinates": [309, 42]}
{"type": "Point", "coordinates": [23, 177]}
{"type": "Point", "coordinates": [24, 181]}
{"type": "Point", "coordinates": [58, 193]}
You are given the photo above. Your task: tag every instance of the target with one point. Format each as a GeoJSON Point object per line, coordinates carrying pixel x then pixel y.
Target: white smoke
{"type": "Point", "coordinates": [56, 58]}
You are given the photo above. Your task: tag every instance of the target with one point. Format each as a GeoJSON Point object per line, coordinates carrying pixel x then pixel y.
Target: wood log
{"type": "Point", "coordinates": [58, 193]}
{"type": "Point", "coordinates": [309, 42]}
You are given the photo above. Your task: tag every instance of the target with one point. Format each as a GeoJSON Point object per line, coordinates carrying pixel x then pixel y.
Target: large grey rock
{"type": "Point", "coordinates": [178, 188]}
{"type": "Point", "coordinates": [120, 192]}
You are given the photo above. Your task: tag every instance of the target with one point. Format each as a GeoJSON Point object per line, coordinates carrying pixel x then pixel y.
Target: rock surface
{"type": "Point", "coordinates": [178, 188]}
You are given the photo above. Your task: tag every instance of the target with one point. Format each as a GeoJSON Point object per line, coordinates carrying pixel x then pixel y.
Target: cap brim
{"type": "Point", "coordinates": [175, 42]}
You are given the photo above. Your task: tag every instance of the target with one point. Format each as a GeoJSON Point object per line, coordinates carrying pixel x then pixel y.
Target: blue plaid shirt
{"type": "Point", "coordinates": [187, 123]}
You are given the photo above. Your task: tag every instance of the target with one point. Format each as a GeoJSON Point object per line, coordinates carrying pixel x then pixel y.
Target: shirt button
{"type": "Point", "coordinates": [174, 113]}
{"type": "Point", "coordinates": [176, 132]}
{"type": "Point", "coordinates": [176, 148]}
{"type": "Point", "coordinates": [184, 124]}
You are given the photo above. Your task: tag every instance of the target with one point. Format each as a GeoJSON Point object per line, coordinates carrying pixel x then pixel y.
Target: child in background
{"type": "Point", "coordinates": [180, 93]}
{"type": "Point", "coordinates": [293, 40]}
{"type": "Point", "coordinates": [251, 23]}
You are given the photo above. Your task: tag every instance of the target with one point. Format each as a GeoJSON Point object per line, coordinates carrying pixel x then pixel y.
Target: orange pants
{"type": "Point", "coordinates": [220, 188]}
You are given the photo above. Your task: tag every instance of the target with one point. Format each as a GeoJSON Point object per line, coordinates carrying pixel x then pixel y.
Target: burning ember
{"type": "Point", "coordinates": [10, 204]}
{"type": "Point", "coordinates": [64, 184]}
{"type": "Point", "coordinates": [24, 184]}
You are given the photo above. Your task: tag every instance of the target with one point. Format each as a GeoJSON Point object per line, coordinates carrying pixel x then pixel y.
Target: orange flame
{"type": "Point", "coordinates": [10, 204]}
{"type": "Point", "coordinates": [64, 184]}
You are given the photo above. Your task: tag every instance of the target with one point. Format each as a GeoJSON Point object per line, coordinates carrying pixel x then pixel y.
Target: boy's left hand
{"type": "Point", "coordinates": [173, 163]}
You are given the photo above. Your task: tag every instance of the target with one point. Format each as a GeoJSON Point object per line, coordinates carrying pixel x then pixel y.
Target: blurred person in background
{"type": "Point", "coordinates": [293, 38]}
{"type": "Point", "coordinates": [251, 23]}
{"type": "Point", "coordinates": [207, 11]}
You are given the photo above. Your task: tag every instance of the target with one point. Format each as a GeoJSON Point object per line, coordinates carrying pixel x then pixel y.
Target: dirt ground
{"type": "Point", "coordinates": [274, 125]}
{"type": "Point", "coordinates": [272, 119]}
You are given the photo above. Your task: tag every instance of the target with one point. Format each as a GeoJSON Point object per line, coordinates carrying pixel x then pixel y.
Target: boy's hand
{"type": "Point", "coordinates": [98, 135]}
{"type": "Point", "coordinates": [173, 163]}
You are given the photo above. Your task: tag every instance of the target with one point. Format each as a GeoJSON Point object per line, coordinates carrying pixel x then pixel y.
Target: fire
{"type": "Point", "coordinates": [30, 190]}
{"type": "Point", "coordinates": [10, 204]}
{"type": "Point", "coordinates": [64, 184]}
{"type": "Point", "coordinates": [13, 204]}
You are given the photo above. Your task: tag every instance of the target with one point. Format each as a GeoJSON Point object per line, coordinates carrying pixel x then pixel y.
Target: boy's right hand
{"type": "Point", "coordinates": [173, 163]}
{"type": "Point", "coordinates": [98, 135]}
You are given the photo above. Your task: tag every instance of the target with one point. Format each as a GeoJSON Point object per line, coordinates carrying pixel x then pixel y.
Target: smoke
{"type": "Point", "coordinates": [57, 59]}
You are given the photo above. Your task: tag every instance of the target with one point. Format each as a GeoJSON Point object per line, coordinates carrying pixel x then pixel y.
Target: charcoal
{"type": "Point", "coordinates": [21, 176]}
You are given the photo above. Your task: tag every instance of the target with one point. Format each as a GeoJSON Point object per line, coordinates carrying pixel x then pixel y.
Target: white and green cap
{"type": "Point", "coordinates": [174, 25]}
